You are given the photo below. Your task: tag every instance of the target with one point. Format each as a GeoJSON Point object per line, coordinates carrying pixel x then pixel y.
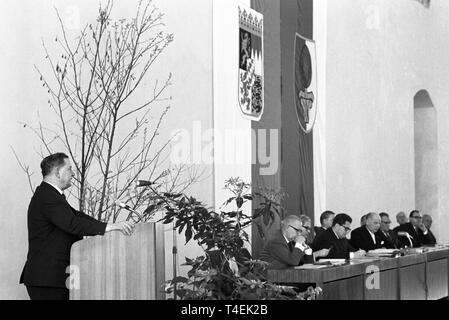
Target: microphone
{"type": "Point", "coordinates": [404, 234]}
{"type": "Point", "coordinates": [144, 183]}
{"type": "Point", "coordinates": [126, 207]}
{"type": "Point", "coordinates": [407, 235]}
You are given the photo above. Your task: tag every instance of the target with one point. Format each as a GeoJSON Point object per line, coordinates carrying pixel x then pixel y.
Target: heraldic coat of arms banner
{"type": "Point", "coordinates": [305, 72]}
{"type": "Point", "coordinates": [250, 75]}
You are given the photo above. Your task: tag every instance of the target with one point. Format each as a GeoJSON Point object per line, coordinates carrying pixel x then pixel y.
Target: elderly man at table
{"type": "Point", "coordinates": [401, 219]}
{"type": "Point", "coordinates": [326, 219]}
{"type": "Point", "coordinates": [365, 236]}
{"type": "Point", "coordinates": [288, 248]}
{"type": "Point", "coordinates": [414, 233]}
{"type": "Point", "coordinates": [388, 237]}
{"type": "Point", "coordinates": [335, 239]}
{"type": "Point", "coordinates": [427, 221]}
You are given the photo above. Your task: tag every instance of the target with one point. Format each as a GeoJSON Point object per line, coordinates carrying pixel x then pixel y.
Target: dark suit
{"type": "Point", "coordinates": [432, 239]}
{"type": "Point", "coordinates": [361, 239]}
{"type": "Point", "coordinates": [53, 226]}
{"type": "Point", "coordinates": [340, 248]}
{"type": "Point", "coordinates": [318, 231]}
{"type": "Point", "coordinates": [390, 240]}
{"type": "Point", "coordinates": [280, 255]}
{"type": "Point", "coordinates": [418, 237]}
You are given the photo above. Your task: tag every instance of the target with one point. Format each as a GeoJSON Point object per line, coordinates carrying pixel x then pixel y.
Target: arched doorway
{"type": "Point", "coordinates": [426, 154]}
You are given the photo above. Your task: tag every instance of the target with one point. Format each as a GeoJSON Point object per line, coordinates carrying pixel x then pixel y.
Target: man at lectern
{"type": "Point", "coordinates": [53, 226]}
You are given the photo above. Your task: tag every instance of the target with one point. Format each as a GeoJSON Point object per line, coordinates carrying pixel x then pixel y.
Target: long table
{"type": "Point", "coordinates": [419, 276]}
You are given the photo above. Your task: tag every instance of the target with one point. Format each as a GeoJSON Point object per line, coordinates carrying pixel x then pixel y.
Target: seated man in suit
{"type": "Point", "coordinates": [427, 221]}
{"type": "Point", "coordinates": [388, 237]}
{"type": "Point", "coordinates": [414, 233]}
{"type": "Point", "coordinates": [53, 226]}
{"type": "Point", "coordinates": [401, 219]}
{"type": "Point", "coordinates": [365, 237]}
{"type": "Point", "coordinates": [335, 240]}
{"type": "Point", "coordinates": [326, 219]}
{"type": "Point", "coordinates": [287, 248]}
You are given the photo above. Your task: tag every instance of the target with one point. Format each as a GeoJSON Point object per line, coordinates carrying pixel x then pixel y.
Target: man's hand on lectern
{"type": "Point", "coordinates": [126, 227]}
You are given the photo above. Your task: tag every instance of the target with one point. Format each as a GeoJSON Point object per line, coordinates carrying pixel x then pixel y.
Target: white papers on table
{"type": "Point", "coordinates": [383, 251]}
{"type": "Point", "coordinates": [311, 266]}
{"type": "Point", "coordinates": [334, 262]}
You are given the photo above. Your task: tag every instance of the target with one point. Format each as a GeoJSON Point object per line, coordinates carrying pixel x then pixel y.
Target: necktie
{"type": "Point", "coordinates": [63, 195]}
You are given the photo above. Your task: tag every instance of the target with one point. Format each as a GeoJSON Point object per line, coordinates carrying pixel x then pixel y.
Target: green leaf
{"type": "Point", "coordinates": [258, 212]}
{"type": "Point", "coordinates": [266, 215]}
{"type": "Point", "coordinates": [239, 202]}
{"type": "Point", "coordinates": [188, 234]}
{"type": "Point", "coordinates": [149, 209]}
{"type": "Point", "coordinates": [180, 279]}
{"type": "Point", "coordinates": [181, 228]}
{"type": "Point", "coordinates": [168, 220]}
{"type": "Point", "coordinates": [229, 201]}
{"type": "Point", "coordinates": [232, 214]}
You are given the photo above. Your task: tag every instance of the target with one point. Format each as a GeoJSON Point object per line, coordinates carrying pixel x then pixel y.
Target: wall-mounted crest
{"type": "Point", "coordinates": [305, 86]}
{"type": "Point", "coordinates": [250, 74]}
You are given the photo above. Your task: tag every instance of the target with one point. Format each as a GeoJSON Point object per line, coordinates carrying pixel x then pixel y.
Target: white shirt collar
{"type": "Point", "coordinates": [373, 236]}
{"type": "Point", "coordinates": [286, 240]}
{"type": "Point", "coordinates": [59, 190]}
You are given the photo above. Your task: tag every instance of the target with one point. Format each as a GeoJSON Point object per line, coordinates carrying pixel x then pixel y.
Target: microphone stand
{"type": "Point", "coordinates": [175, 259]}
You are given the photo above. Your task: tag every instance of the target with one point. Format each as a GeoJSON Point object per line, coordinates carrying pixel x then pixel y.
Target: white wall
{"type": "Point", "coordinates": [379, 55]}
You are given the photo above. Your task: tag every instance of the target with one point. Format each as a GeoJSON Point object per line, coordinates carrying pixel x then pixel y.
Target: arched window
{"type": "Point", "coordinates": [426, 154]}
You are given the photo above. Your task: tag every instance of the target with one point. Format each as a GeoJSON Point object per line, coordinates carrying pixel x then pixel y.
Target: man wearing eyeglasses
{"type": "Point", "coordinates": [414, 233]}
{"type": "Point", "coordinates": [388, 237]}
{"type": "Point", "coordinates": [335, 239]}
{"type": "Point", "coordinates": [288, 248]}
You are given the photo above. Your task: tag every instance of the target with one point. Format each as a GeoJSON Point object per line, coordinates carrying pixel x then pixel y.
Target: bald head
{"type": "Point", "coordinates": [401, 218]}
{"type": "Point", "coordinates": [373, 222]}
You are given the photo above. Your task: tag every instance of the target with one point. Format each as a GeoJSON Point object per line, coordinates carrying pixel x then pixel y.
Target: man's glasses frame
{"type": "Point", "coordinates": [296, 229]}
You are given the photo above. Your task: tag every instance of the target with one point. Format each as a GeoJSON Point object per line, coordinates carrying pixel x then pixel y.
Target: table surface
{"type": "Point", "coordinates": [356, 267]}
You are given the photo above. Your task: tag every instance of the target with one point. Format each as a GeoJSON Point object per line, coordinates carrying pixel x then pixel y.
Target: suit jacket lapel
{"type": "Point", "coordinates": [369, 237]}
{"type": "Point", "coordinates": [57, 194]}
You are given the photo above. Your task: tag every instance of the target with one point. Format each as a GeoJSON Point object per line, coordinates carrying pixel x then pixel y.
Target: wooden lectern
{"type": "Point", "coordinates": [119, 267]}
